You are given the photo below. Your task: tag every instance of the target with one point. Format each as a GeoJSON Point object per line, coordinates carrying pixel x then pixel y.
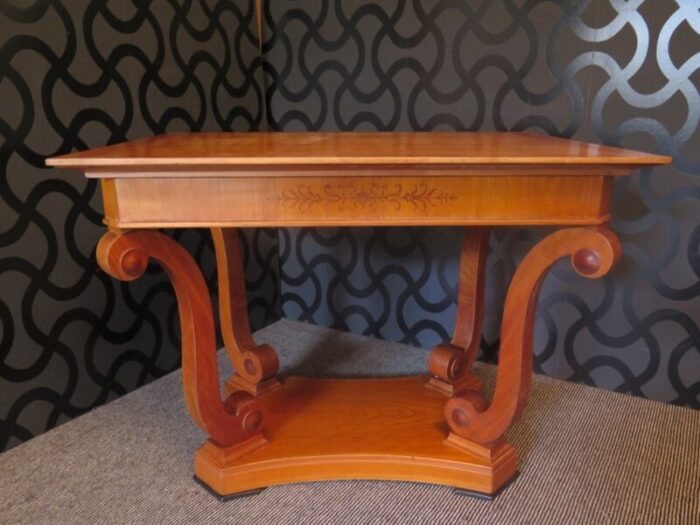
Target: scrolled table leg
{"type": "Point", "coordinates": [239, 419]}
{"type": "Point", "coordinates": [593, 252]}
{"type": "Point", "coordinates": [255, 366]}
{"type": "Point", "coordinates": [450, 364]}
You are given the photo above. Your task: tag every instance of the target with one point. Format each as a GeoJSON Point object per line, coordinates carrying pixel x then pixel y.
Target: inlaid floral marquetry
{"type": "Point", "coordinates": [346, 195]}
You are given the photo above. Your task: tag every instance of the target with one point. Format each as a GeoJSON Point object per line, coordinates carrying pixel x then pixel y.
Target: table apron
{"type": "Point", "coordinates": [134, 202]}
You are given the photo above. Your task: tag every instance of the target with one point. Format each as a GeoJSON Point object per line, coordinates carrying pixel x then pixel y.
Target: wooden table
{"type": "Point", "coordinates": [436, 429]}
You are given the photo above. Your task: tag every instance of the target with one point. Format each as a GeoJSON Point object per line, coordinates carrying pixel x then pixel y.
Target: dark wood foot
{"type": "Point", "coordinates": [228, 497]}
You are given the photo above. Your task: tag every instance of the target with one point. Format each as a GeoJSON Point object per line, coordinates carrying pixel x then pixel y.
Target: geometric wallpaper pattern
{"type": "Point", "coordinates": [75, 75]}
{"type": "Point", "coordinates": [621, 73]}
{"type": "Point", "coordinates": [78, 74]}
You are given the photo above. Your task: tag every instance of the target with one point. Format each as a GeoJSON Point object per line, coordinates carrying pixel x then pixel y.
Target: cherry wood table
{"type": "Point", "coordinates": [436, 429]}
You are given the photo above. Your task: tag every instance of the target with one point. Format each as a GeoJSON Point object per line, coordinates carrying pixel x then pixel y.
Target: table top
{"type": "Point", "coordinates": [362, 149]}
{"type": "Point", "coordinates": [344, 179]}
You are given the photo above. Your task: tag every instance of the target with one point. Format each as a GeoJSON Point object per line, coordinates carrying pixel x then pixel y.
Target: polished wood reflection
{"type": "Point", "coordinates": [267, 431]}
{"type": "Point", "coordinates": [349, 150]}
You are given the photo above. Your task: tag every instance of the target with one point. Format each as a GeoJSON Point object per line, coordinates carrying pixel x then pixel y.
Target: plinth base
{"type": "Point", "coordinates": [325, 429]}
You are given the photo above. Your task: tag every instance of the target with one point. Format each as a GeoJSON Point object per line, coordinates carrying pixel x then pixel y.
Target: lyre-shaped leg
{"type": "Point", "coordinates": [255, 366]}
{"type": "Point", "coordinates": [236, 422]}
{"type": "Point", "coordinates": [479, 426]}
{"type": "Point", "coordinates": [450, 364]}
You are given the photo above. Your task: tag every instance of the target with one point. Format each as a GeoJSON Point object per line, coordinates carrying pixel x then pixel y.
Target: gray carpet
{"type": "Point", "coordinates": [588, 456]}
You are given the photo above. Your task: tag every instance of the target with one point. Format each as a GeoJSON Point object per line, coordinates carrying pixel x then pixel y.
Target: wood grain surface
{"type": "Point", "coordinates": [235, 421]}
{"type": "Point", "coordinates": [186, 150]}
{"type": "Point", "coordinates": [593, 252]}
{"type": "Point", "coordinates": [450, 363]}
{"type": "Point", "coordinates": [262, 434]}
{"type": "Point", "coordinates": [321, 429]}
{"type": "Point", "coordinates": [255, 365]}
{"type": "Point", "coordinates": [355, 201]}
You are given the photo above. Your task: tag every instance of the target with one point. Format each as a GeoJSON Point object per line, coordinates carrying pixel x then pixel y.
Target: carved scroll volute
{"type": "Point", "coordinates": [450, 364]}
{"type": "Point", "coordinates": [593, 252]}
{"type": "Point", "coordinates": [125, 256]}
{"type": "Point", "coordinates": [256, 366]}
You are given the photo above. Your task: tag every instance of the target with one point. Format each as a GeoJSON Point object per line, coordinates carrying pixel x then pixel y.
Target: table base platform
{"type": "Point", "coordinates": [329, 429]}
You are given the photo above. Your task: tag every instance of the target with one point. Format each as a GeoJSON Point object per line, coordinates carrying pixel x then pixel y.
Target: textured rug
{"type": "Point", "coordinates": [587, 456]}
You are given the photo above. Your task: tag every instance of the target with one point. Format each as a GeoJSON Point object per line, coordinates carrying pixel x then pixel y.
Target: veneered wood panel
{"type": "Point", "coordinates": [318, 201]}
{"type": "Point", "coordinates": [385, 170]}
{"type": "Point", "coordinates": [321, 429]}
{"type": "Point", "coordinates": [350, 150]}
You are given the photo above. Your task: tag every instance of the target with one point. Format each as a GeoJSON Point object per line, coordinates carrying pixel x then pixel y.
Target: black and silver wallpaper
{"type": "Point", "coordinates": [611, 71]}
{"type": "Point", "coordinates": [79, 74]}
{"type": "Point", "coordinates": [73, 75]}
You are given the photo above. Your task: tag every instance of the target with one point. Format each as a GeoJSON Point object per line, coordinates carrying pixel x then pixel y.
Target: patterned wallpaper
{"type": "Point", "coordinates": [611, 71]}
{"type": "Point", "coordinates": [74, 75]}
